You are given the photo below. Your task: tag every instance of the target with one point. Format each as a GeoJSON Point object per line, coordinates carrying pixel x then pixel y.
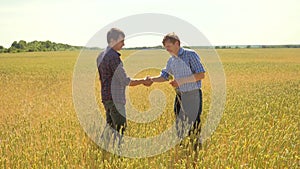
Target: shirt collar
{"type": "Point", "coordinates": [110, 49]}
{"type": "Point", "coordinates": [180, 52]}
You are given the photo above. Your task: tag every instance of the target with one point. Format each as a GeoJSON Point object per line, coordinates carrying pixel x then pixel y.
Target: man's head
{"type": "Point", "coordinates": [172, 43]}
{"type": "Point", "coordinates": [115, 38]}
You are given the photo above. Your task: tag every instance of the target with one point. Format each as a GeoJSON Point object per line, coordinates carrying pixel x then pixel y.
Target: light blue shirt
{"type": "Point", "coordinates": [186, 64]}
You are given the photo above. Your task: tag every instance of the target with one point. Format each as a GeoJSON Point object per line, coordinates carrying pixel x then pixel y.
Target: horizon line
{"type": "Point", "coordinates": [221, 45]}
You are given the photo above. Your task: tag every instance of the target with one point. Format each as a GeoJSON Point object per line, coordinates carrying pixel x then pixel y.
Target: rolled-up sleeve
{"type": "Point", "coordinates": [195, 63]}
{"type": "Point", "coordinates": [165, 73]}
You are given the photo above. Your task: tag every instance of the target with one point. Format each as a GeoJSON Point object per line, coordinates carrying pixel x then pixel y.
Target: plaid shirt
{"type": "Point", "coordinates": [112, 76]}
{"type": "Point", "coordinates": [186, 64]}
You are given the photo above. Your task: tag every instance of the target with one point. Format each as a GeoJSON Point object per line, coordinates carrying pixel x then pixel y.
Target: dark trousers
{"type": "Point", "coordinates": [115, 116]}
{"type": "Point", "coordinates": [115, 122]}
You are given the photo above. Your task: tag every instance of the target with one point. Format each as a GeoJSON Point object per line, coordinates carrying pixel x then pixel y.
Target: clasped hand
{"type": "Point", "coordinates": [148, 81]}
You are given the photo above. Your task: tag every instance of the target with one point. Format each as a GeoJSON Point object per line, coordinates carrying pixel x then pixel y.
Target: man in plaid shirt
{"type": "Point", "coordinates": [185, 66]}
{"type": "Point", "coordinates": [114, 80]}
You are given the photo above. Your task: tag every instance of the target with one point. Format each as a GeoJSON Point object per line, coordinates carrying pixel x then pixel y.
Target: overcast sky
{"type": "Point", "coordinates": [223, 22]}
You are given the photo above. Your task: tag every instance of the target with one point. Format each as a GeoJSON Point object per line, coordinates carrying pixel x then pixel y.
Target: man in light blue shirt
{"type": "Point", "coordinates": [185, 66]}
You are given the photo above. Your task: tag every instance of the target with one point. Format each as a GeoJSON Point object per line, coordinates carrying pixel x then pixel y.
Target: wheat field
{"type": "Point", "coordinates": [259, 128]}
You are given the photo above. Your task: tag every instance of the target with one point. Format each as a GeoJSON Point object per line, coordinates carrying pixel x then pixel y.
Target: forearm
{"type": "Point", "coordinates": [193, 78]}
{"type": "Point", "coordinates": [158, 79]}
{"type": "Point", "coordinates": [135, 82]}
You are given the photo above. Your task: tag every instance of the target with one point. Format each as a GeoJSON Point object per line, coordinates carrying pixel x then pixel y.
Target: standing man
{"type": "Point", "coordinates": [185, 66]}
{"type": "Point", "coordinates": [114, 80]}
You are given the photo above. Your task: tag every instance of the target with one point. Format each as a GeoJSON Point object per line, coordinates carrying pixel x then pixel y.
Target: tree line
{"type": "Point", "coordinates": [43, 46]}
{"type": "Point", "coordinates": [37, 46]}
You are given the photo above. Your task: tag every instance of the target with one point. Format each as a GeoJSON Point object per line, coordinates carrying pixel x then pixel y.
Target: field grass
{"type": "Point", "coordinates": [260, 126]}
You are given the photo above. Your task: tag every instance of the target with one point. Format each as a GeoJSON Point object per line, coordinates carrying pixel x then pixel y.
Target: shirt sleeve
{"type": "Point", "coordinates": [165, 73]}
{"type": "Point", "coordinates": [195, 63]}
{"type": "Point", "coordinates": [119, 72]}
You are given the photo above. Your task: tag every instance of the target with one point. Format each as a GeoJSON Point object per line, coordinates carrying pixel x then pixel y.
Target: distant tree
{"type": "Point", "coordinates": [22, 44]}
{"type": "Point", "coordinates": [1, 49]}
{"type": "Point", "coordinates": [48, 44]}
{"type": "Point", "coordinates": [248, 46]}
{"type": "Point", "coordinates": [12, 49]}
{"type": "Point", "coordinates": [15, 44]}
{"type": "Point", "coordinates": [187, 47]}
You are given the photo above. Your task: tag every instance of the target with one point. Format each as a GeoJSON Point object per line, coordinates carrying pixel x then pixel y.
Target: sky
{"type": "Point", "coordinates": [230, 22]}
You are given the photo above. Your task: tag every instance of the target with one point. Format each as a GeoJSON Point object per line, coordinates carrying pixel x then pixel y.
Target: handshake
{"type": "Point", "coordinates": [147, 81]}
